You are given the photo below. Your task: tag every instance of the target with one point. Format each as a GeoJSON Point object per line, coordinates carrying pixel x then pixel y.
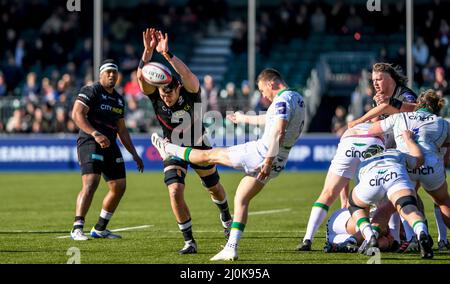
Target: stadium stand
{"type": "Point", "coordinates": [321, 47]}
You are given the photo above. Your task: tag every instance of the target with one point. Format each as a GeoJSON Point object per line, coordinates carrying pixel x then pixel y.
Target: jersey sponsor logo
{"type": "Point", "coordinates": [105, 97]}
{"type": "Point", "coordinates": [277, 169]}
{"type": "Point", "coordinates": [355, 153]}
{"type": "Point", "coordinates": [179, 114]}
{"type": "Point", "coordinates": [121, 103]}
{"type": "Point", "coordinates": [421, 117]}
{"type": "Point", "coordinates": [84, 97]}
{"type": "Point", "coordinates": [423, 171]}
{"type": "Point", "coordinates": [382, 180]}
{"type": "Point", "coordinates": [111, 109]}
{"type": "Point", "coordinates": [281, 108]}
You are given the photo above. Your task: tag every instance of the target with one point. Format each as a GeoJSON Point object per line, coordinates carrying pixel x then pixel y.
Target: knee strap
{"type": "Point", "coordinates": [405, 201]}
{"type": "Point", "coordinates": [211, 180]}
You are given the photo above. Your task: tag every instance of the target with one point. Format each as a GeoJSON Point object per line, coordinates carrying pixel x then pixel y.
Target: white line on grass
{"type": "Point", "coordinates": [269, 211]}
{"type": "Point", "coordinates": [119, 230]}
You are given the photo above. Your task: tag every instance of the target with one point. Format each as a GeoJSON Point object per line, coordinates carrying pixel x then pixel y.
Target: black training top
{"type": "Point", "coordinates": [105, 110]}
{"type": "Point", "coordinates": [179, 122]}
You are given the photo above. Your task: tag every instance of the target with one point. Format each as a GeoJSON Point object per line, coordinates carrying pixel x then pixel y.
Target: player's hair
{"type": "Point", "coordinates": [430, 100]}
{"type": "Point", "coordinates": [172, 85]}
{"type": "Point", "coordinates": [395, 72]}
{"type": "Point", "coordinates": [268, 75]}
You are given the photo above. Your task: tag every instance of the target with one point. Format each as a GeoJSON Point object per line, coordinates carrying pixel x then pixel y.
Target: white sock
{"type": "Point", "coordinates": [175, 150]}
{"type": "Point", "coordinates": [442, 228]}
{"type": "Point", "coordinates": [420, 227]}
{"type": "Point", "coordinates": [394, 226]}
{"type": "Point", "coordinates": [318, 215]}
{"type": "Point", "coordinates": [409, 233]}
{"type": "Point", "coordinates": [233, 240]}
{"type": "Point", "coordinates": [106, 215]}
{"type": "Point", "coordinates": [367, 231]}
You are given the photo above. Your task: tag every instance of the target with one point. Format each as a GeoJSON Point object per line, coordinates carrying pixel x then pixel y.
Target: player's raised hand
{"type": "Point", "coordinates": [150, 43]}
{"type": "Point", "coordinates": [163, 42]}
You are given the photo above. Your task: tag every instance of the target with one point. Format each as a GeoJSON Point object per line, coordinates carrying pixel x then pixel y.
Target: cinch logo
{"type": "Point", "coordinates": [353, 153]}
{"type": "Point", "coordinates": [421, 118]}
{"type": "Point", "coordinates": [382, 180]}
{"type": "Point", "coordinates": [422, 171]}
{"type": "Point", "coordinates": [73, 5]}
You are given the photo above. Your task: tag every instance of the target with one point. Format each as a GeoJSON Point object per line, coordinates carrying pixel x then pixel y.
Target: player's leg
{"type": "Point", "coordinates": [211, 181]}
{"type": "Point", "coordinates": [443, 243]}
{"type": "Point", "coordinates": [116, 190]}
{"type": "Point", "coordinates": [333, 185]}
{"type": "Point", "coordinates": [193, 156]}
{"type": "Point", "coordinates": [406, 204]}
{"type": "Point", "coordinates": [115, 177]}
{"type": "Point", "coordinates": [441, 198]}
{"type": "Point", "coordinates": [91, 163]}
{"type": "Point", "coordinates": [84, 200]}
{"type": "Point", "coordinates": [248, 188]}
{"type": "Point", "coordinates": [174, 178]}
{"type": "Point", "coordinates": [343, 195]}
{"type": "Point", "coordinates": [359, 201]}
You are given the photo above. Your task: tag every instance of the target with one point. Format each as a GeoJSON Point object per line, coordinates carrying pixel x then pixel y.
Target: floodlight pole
{"type": "Point", "coordinates": [98, 30]}
{"type": "Point", "coordinates": [409, 41]}
{"type": "Point", "coordinates": [251, 44]}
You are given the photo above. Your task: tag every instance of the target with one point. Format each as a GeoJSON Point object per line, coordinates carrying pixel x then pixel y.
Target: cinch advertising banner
{"type": "Point", "coordinates": [54, 153]}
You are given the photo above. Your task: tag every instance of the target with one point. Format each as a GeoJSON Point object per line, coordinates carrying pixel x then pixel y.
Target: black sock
{"type": "Point", "coordinates": [79, 220]}
{"type": "Point", "coordinates": [224, 211]}
{"type": "Point", "coordinates": [101, 224]}
{"type": "Point", "coordinates": [187, 230]}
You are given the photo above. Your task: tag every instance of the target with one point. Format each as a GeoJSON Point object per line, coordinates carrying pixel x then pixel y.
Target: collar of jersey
{"type": "Point", "coordinates": [285, 90]}
{"type": "Point", "coordinates": [424, 109]}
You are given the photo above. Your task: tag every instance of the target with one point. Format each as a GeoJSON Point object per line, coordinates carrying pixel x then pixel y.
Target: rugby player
{"type": "Point", "coordinates": [261, 160]}
{"type": "Point", "coordinates": [99, 113]}
{"type": "Point", "coordinates": [171, 102]}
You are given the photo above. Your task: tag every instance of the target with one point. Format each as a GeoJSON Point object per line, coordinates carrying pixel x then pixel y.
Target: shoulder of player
{"type": "Point", "coordinates": [405, 93]}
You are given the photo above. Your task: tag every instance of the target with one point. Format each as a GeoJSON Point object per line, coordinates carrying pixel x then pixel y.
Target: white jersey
{"type": "Point", "coordinates": [384, 174]}
{"type": "Point", "coordinates": [431, 131]}
{"type": "Point", "coordinates": [287, 105]}
{"type": "Point", "coordinates": [354, 142]}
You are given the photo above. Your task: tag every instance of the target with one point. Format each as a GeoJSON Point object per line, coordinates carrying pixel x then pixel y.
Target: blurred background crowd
{"type": "Point", "coordinates": [46, 54]}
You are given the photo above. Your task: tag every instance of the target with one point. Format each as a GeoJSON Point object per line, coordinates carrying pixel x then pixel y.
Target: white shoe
{"type": "Point", "coordinates": [227, 254]}
{"type": "Point", "coordinates": [160, 144]}
{"type": "Point", "coordinates": [106, 234]}
{"type": "Point", "coordinates": [78, 235]}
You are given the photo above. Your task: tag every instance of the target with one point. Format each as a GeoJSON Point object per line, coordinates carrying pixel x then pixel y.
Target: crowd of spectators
{"type": "Point", "coordinates": [46, 56]}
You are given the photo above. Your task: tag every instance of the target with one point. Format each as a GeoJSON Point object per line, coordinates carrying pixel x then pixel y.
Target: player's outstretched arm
{"type": "Point", "coordinates": [239, 117]}
{"type": "Point", "coordinates": [150, 42]}
{"type": "Point", "coordinates": [189, 80]}
{"type": "Point", "coordinates": [126, 141]}
{"type": "Point", "coordinates": [277, 137]}
{"type": "Point", "coordinates": [383, 108]}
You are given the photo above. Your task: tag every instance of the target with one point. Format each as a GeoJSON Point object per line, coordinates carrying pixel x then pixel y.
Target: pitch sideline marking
{"type": "Point", "coordinates": [118, 230]}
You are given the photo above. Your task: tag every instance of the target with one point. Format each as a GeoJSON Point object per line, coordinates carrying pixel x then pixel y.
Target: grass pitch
{"type": "Point", "coordinates": [37, 208]}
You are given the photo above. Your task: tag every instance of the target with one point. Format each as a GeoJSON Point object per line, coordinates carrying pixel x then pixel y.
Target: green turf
{"type": "Point", "coordinates": [43, 205]}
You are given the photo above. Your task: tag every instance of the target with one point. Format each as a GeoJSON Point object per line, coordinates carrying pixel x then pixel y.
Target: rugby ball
{"type": "Point", "coordinates": [156, 74]}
